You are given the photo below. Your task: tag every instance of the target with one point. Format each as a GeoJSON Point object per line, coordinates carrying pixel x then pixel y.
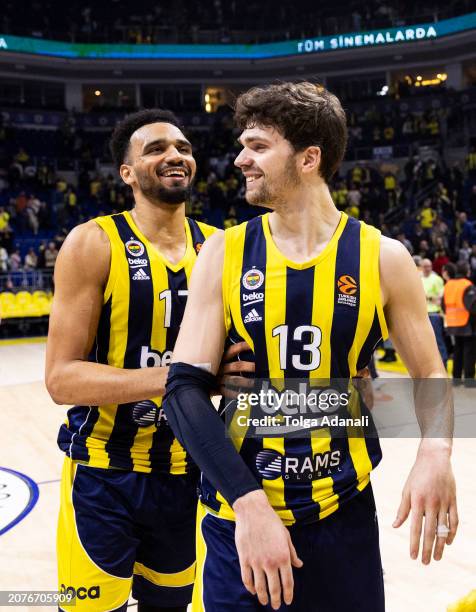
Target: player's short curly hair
{"type": "Point", "coordinates": [121, 136]}
{"type": "Point", "coordinates": [305, 114]}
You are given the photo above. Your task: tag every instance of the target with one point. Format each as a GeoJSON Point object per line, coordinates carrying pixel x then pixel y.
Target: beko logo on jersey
{"type": "Point", "coordinates": [154, 359]}
{"type": "Point", "coordinates": [93, 592]}
{"type": "Point", "coordinates": [271, 465]}
{"type": "Point", "coordinates": [137, 263]}
{"type": "Point", "coordinates": [253, 279]}
{"type": "Point", "coordinates": [252, 298]}
{"type": "Point", "coordinates": [135, 248]}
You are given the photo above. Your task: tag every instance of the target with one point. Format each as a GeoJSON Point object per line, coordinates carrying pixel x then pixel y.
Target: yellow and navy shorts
{"type": "Point", "coordinates": [342, 569]}
{"type": "Point", "coordinates": [121, 531]}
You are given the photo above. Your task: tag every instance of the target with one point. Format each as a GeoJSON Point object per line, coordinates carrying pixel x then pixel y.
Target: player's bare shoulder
{"type": "Point", "coordinates": [214, 244]}
{"type": "Point", "coordinates": [397, 268]}
{"type": "Point", "coordinates": [86, 253]}
{"type": "Point", "coordinates": [207, 272]}
{"type": "Point", "coordinates": [392, 251]}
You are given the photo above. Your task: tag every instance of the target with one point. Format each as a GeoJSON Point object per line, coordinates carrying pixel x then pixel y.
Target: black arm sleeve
{"type": "Point", "coordinates": [200, 430]}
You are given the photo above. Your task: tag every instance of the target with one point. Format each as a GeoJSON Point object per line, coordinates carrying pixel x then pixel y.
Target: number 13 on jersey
{"type": "Point", "coordinates": [309, 356]}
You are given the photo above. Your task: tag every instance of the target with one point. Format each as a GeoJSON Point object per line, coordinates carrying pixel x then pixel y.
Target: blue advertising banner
{"type": "Point", "coordinates": [372, 38]}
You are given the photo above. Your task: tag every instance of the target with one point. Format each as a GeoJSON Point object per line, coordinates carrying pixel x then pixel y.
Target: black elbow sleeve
{"type": "Point", "coordinates": [200, 430]}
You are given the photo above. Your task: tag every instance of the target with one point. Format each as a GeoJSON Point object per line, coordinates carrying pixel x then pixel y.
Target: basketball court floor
{"type": "Point", "coordinates": [29, 497]}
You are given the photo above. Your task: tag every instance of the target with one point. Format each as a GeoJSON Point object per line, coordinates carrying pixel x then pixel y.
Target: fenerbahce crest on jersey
{"type": "Point", "coordinates": [144, 302]}
{"type": "Point", "coordinates": [318, 320]}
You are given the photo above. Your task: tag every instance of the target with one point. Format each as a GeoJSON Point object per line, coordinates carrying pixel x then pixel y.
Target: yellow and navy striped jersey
{"type": "Point", "coordinates": [314, 321]}
{"type": "Point", "coordinates": [144, 302]}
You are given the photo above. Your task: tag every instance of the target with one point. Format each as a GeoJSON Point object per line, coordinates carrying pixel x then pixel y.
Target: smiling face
{"type": "Point", "coordinates": [269, 165]}
{"type": "Point", "coordinates": [160, 163]}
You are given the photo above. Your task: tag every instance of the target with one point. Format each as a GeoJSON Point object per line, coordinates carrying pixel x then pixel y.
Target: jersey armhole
{"type": "Point", "coordinates": [226, 282]}
{"type": "Point", "coordinates": [378, 297]}
{"type": "Point", "coordinates": [108, 227]}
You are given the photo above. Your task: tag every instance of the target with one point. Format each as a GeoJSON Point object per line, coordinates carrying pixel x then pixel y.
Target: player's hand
{"type": "Point", "coordinates": [363, 383]}
{"type": "Point", "coordinates": [266, 552]}
{"type": "Point", "coordinates": [430, 493]}
{"type": "Point", "coordinates": [229, 376]}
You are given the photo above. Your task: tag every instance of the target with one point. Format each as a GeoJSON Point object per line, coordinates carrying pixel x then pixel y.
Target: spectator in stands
{"type": "Point", "coordinates": [470, 163]}
{"type": "Point", "coordinates": [427, 215]}
{"type": "Point", "coordinates": [41, 263]}
{"type": "Point", "coordinates": [4, 220]}
{"type": "Point", "coordinates": [32, 209]}
{"type": "Point", "coordinates": [339, 195]}
{"type": "Point", "coordinates": [439, 234]}
{"type": "Point", "coordinates": [441, 259]}
{"type": "Point", "coordinates": [472, 263]}
{"type": "Point", "coordinates": [424, 250]}
{"type": "Point", "coordinates": [459, 298]}
{"type": "Point", "coordinates": [3, 259]}
{"type": "Point", "coordinates": [71, 201]}
{"type": "Point", "coordinates": [95, 188]}
{"type": "Point", "coordinates": [464, 229]}
{"type": "Point", "coordinates": [433, 286]}
{"type": "Point", "coordinates": [356, 175]}
{"type": "Point", "coordinates": [353, 202]}
{"type": "Point", "coordinates": [231, 220]}
{"type": "Point", "coordinates": [471, 206]}
{"type": "Point", "coordinates": [390, 186]}
{"type": "Point", "coordinates": [388, 133]}
{"type": "Point", "coordinates": [31, 260]}
{"type": "Point", "coordinates": [14, 261]}
{"type": "Point", "coordinates": [61, 185]}
{"type": "Point", "coordinates": [20, 203]}
{"type": "Point", "coordinates": [464, 252]}
{"type": "Point", "coordinates": [51, 253]}
{"type": "Point", "coordinates": [353, 211]}
{"type": "Point", "coordinates": [22, 157]}
{"type": "Point", "coordinates": [430, 172]}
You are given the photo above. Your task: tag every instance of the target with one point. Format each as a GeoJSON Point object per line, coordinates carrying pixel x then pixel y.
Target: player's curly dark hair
{"type": "Point", "coordinates": [304, 113]}
{"type": "Point", "coordinates": [121, 136]}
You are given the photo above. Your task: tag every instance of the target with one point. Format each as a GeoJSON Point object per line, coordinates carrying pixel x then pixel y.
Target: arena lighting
{"type": "Point", "coordinates": [207, 98]}
{"type": "Point", "coordinates": [208, 107]}
{"type": "Point", "coordinates": [97, 92]}
{"type": "Point", "coordinates": [419, 78]}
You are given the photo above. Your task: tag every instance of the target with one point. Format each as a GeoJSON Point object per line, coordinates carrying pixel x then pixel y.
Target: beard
{"type": "Point", "coordinates": [155, 192]}
{"type": "Point", "coordinates": [270, 194]}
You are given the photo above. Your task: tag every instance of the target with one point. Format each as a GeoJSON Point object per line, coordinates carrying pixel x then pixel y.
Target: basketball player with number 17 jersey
{"type": "Point", "coordinates": [128, 490]}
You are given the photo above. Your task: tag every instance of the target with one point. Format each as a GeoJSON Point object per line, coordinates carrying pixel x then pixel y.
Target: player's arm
{"type": "Point", "coordinates": [263, 543]}
{"type": "Point", "coordinates": [81, 274]}
{"type": "Point", "coordinates": [430, 490]}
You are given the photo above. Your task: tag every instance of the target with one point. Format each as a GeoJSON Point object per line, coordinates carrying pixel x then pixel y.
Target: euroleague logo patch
{"type": "Point", "coordinates": [347, 287]}
{"type": "Point", "coordinates": [198, 247]}
{"type": "Point", "coordinates": [135, 248]}
{"type": "Point", "coordinates": [253, 279]}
